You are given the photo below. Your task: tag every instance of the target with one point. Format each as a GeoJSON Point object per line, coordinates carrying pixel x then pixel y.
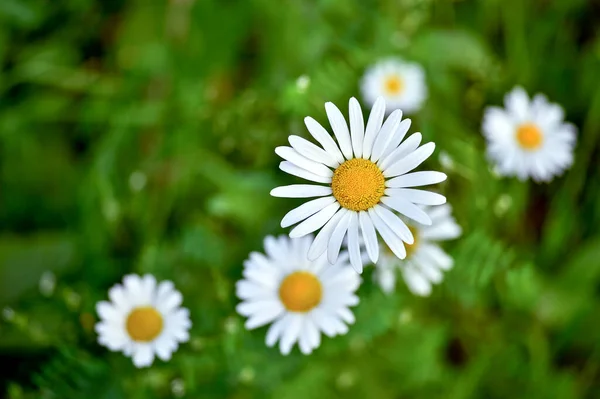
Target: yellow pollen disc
{"type": "Point", "coordinates": [144, 324]}
{"type": "Point", "coordinates": [393, 85]}
{"type": "Point", "coordinates": [300, 292]}
{"type": "Point", "coordinates": [358, 184]}
{"type": "Point", "coordinates": [529, 136]}
{"type": "Point", "coordinates": [411, 248]}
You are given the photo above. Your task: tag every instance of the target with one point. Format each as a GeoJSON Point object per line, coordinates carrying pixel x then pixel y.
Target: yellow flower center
{"type": "Point", "coordinates": [358, 184]}
{"type": "Point", "coordinates": [411, 248]}
{"type": "Point", "coordinates": [529, 136]}
{"type": "Point", "coordinates": [300, 292]}
{"type": "Point", "coordinates": [393, 85]}
{"type": "Point", "coordinates": [144, 324]}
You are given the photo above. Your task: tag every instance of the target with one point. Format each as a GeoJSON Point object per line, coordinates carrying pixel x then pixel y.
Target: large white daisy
{"type": "Point", "coordinates": [301, 298]}
{"type": "Point", "coordinates": [365, 180]}
{"type": "Point", "coordinates": [402, 84]}
{"type": "Point", "coordinates": [425, 260]}
{"type": "Point", "coordinates": [529, 138]}
{"type": "Point", "coordinates": [143, 319]}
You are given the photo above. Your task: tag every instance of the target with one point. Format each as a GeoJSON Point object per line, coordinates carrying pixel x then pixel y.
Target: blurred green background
{"type": "Point", "coordinates": [138, 136]}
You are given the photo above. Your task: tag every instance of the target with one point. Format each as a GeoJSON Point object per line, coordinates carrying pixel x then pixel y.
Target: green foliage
{"type": "Point", "coordinates": [138, 136]}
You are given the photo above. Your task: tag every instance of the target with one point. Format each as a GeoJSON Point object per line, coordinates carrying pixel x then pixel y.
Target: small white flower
{"type": "Point", "coordinates": [529, 138]}
{"type": "Point", "coordinates": [425, 260]}
{"type": "Point", "coordinates": [365, 177]}
{"type": "Point", "coordinates": [143, 319]}
{"type": "Point", "coordinates": [301, 298]}
{"type": "Point", "coordinates": [402, 84]}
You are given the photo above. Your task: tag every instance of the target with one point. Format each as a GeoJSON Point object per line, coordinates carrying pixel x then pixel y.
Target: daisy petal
{"type": "Point", "coordinates": [397, 138]}
{"type": "Point", "coordinates": [315, 222]}
{"type": "Point", "coordinates": [319, 245]}
{"type": "Point", "coordinates": [373, 126]}
{"type": "Point", "coordinates": [411, 161]}
{"type": "Point", "coordinates": [353, 243]}
{"type": "Point", "coordinates": [340, 128]}
{"type": "Point", "coordinates": [416, 283]}
{"type": "Point", "coordinates": [395, 224]}
{"type": "Point", "coordinates": [407, 208]}
{"type": "Point", "coordinates": [290, 154]}
{"type": "Point", "coordinates": [337, 237]}
{"type": "Point", "coordinates": [324, 138]}
{"type": "Point", "coordinates": [301, 191]}
{"type": "Point", "coordinates": [305, 210]}
{"type": "Point", "coordinates": [403, 150]}
{"type": "Point", "coordinates": [385, 134]}
{"type": "Point", "coordinates": [392, 240]}
{"type": "Point", "coordinates": [311, 151]}
{"type": "Point", "coordinates": [369, 236]}
{"type": "Point", "coordinates": [292, 169]}
{"type": "Point", "coordinates": [416, 179]}
{"type": "Point", "coordinates": [357, 127]}
{"type": "Point", "coordinates": [422, 197]}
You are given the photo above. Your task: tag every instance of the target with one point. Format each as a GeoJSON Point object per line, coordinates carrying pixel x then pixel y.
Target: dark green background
{"type": "Point", "coordinates": [193, 96]}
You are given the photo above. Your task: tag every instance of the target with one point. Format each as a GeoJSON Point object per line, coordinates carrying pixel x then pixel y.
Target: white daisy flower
{"type": "Point", "coordinates": [300, 297]}
{"type": "Point", "coordinates": [425, 260]}
{"type": "Point", "coordinates": [529, 138]}
{"type": "Point", "coordinates": [400, 83]}
{"type": "Point", "coordinates": [365, 179]}
{"type": "Point", "coordinates": [143, 319]}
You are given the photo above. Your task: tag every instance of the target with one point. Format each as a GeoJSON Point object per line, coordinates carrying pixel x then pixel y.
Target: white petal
{"type": "Point", "coordinates": [275, 331]}
{"type": "Point", "coordinates": [337, 237]}
{"type": "Point", "coordinates": [312, 332]}
{"type": "Point", "coordinates": [407, 208]}
{"type": "Point", "coordinates": [422, 197]}
{"type": "Point", "coordinates": [397, 138]}
{"type": "Point", "coordinates": [369, 236]}
{"type": "Point", "coordinates": [353, 243]}
{"type": "Point", "coordinates": [324, 138]}
{"type": "Point", "coordinates": [301, 191]}
{"type": "Point", "coordinates": [170, 302]}
{"type": "Point", "coordinates": [118, 296]}
{"type": "Point", "coordinates": [289, 154]}
{"type": "Point", "coordinates": [264, 316]}
{"type": "Point", "coordinates": [416, 179]}
{"type": "Point", "coordinates": [319, 245]}
{"type": "Point", "coordinates": [411, 161]}
{"type": "Point", "coordinates": [292, 169]}
{"type": "Point", "coordinates": [357, 127]}
{"type": "Point", "coordinates": [517, 103]}
{"type": "Point", "coordinates": [403, 150]}
{"type": "Point", "coordinates": [108, 312]}
{"type": "Point", "coordinates": [439, 231]}
{"type": "Point", "coordinates": [143, 356]}
{"type": "Point", "coordinates": [323, 321]}
{"type": "Point", "coordinates": [290, 333]}
{"type": "Point", "coordinates": [395, 224]}
{"type": "Point", "coordinates": [312, 152]}
{"type": "Point", "coordinates": [346, 315]}
{"type": "Point", "coordinates": [437, 254]}
{"type": "Point", "coordinates": [385, 134]}
{"type": "Point", "coordinates": [373, 126]}
{"type": "Point", "coordinates": [315, 222]}
{"type": "Point", "coordinates": [305, 210]}
{"type": "Point", "coordinates": [392, 240]}
{"type": "Point", "coordinates": [253, 307]}
{"type": "Point", "coordinates": [416, 283]}
{"type": "Point", "coordinates": [340, 128]}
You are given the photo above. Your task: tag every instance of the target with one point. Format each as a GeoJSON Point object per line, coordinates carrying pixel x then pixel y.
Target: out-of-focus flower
{"type": "Point", "coordinates": [143, 319]}
{"type": "Point", "coordinates": [529, 138]}
{"type": "Point", "coordinates": [425, 260]}
{"type": "Point", "coordinates": [365, 177]}
{"type": "Point", "coordinates": [402, 84]}
{"type": "Point", "coordinates": [301, 298]}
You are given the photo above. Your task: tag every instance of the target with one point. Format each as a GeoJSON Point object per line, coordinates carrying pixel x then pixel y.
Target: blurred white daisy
{"type": "Point", "coordinates": [143, 319]}
{"type": "Point", "coordinates": [529, 138]}
{"type": "Point", "coordinates": [365, 177]}
{"type": "Point", "coordinates": [301, 298]}
{"type": "Point", "coordinates": [425, 260]}
{"type": "Point", "coordinates": [400, 83]}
